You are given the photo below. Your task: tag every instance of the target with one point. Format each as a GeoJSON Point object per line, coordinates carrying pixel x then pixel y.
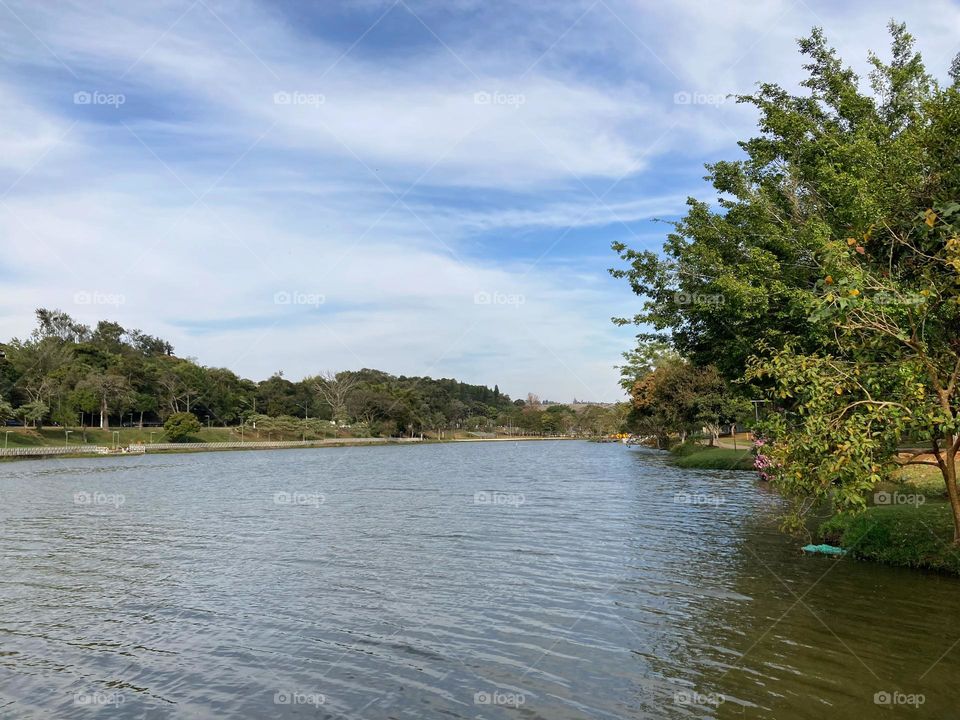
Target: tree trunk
{"type": "Point", "coordinates": [104, 418]}
{"type": "Point", "coordinates": [948, 467]}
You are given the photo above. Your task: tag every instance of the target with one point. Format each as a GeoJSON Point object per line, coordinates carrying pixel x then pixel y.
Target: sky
{"type": "Point", "coordinates": [426, 187]}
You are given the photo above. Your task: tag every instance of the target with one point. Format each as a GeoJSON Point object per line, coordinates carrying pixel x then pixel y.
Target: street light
{"type": "Point", "coordinates": [116, 439]}
{"type": "Point", "coordinates": [151, 437]}
{"type": "Point", "coordinates": [66, 440]}
{"type": "Point", "coordinates": [756, 408]}
{"type": "Point", "coordinates": [6, 439]}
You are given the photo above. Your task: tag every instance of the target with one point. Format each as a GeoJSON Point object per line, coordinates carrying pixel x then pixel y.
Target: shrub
{"type": "Point", "coordinates": [180, 426]}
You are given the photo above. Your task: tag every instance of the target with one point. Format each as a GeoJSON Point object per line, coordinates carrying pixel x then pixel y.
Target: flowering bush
{"type": "Point", "coordinates": [764, 465]}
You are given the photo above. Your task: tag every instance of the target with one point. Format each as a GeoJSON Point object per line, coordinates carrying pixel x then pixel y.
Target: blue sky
{"type": "Point", "coordinates": [422, 187]}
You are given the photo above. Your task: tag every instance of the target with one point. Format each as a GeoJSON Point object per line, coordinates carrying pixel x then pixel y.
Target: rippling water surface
{"type": "Point", "coordinates": [479, 580]}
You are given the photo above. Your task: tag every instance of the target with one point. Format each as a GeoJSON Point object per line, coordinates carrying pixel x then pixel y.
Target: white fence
{"type": "Point", "coordinates": [66, 450]}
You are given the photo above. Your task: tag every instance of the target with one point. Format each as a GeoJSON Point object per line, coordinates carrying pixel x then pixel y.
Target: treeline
{"type": "Point", "coordinates": [71, 374]}
{"type": "Point", "coordinates": [823, 283]}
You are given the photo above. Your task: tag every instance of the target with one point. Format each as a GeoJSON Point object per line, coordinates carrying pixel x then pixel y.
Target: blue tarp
{"type": "Point", "coordinates": [823, 549]}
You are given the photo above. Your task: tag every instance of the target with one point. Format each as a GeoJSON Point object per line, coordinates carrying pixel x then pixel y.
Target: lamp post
{"type": "Point", "coordinates": [151, 437]}
{"type": "Point", "coordinates": [66, 439]}
{"type": "Point", "coordinates": [116, 439]}
{"type": "Point", "coordinates": [756, 408]}
{"type": "Point", "coordinates": [6, 439]}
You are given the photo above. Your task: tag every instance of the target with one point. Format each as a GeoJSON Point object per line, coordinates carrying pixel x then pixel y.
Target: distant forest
{"type": "Point", "coordinates": [70, 374]}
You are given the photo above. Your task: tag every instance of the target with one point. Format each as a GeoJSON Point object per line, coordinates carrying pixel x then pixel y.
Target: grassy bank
{"type": "Point", "coordinates": [694, 456]}
{"type": "Point", "coordinates": [907, 535]}
{"type": "Point", "coordinates": [57, 437]}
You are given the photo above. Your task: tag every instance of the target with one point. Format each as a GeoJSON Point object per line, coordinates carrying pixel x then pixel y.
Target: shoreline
{"type": "Point", "coordinates": [908, 525]}
{"type": "Point", "coordinates": [45, 452]}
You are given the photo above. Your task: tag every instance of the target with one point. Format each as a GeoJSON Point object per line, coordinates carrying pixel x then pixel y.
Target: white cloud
{"type": "Point", "coordinates": [512, 135]}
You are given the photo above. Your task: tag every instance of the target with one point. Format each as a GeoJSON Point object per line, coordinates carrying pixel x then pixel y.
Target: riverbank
{"type": "Point", "coordinates": [37, 453]}
{"type": "Point", "coordinates": [909, 523]}
{"type": "Point", "coordinates": [915, 536]}
{"type": "Point", "coordinates": [41, 451]}
{"type": "Point", "coordinates": [702, 457]}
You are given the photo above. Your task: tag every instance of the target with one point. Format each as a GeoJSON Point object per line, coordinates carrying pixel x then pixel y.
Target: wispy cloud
{"type": "Point", "coordinates": [417, 186]}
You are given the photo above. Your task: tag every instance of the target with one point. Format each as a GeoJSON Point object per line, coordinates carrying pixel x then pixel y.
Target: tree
{"type": "Point", "coordinates": [181, 426]}
{"type": "Point", "coordinates": [33, 413]}
{"type": "Point", "coordinates": [715, 403]}
{"type": "Point", "coordinates": [663, 402]}
{"type": "Point", "coordinates": [746, 272]}
{"type": "Point", "coordinates": [646, 357]}
{"type": "Point", "coordinates": [830, 274]}
{"type": "Point", "coordinates": [142, 403]}
{"type": "Point", "coordinates": [6, 411]}
{"type": "Point", "coordinates": [335, 389]}
{"type": "Point", "coordinates": [894, 377]}
{"type": "Point", "coordinates": [111, 390]}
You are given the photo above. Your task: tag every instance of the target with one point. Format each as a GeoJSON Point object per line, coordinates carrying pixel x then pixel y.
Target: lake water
{"type": "Point", "coordinates": [529, 580]}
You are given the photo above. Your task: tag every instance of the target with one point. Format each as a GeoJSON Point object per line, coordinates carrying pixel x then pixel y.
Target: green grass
{"type": "Point", "coordinates": [705, 458]}
{"type": "Point", "coordinates": [923, 479]}
{"type": "Point", "coordinates": [906, 535]}
{"type": "Point", "coordinates": [56, 437]}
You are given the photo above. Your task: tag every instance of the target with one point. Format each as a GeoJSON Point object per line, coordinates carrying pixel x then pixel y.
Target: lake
{"type": "Point", "coordinates": [530, 580]}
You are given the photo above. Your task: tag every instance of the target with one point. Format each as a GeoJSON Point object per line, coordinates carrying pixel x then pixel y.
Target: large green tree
{"type": "Point", "coordinates": [828, 271]}
{"type": "Point", "coordinates": [745, 270]}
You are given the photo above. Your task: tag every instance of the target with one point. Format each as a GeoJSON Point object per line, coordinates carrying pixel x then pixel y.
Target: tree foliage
{"type": "Point", "coordinates": [828, 273]}
{"type": "Point", "coordinates": [181, 426]}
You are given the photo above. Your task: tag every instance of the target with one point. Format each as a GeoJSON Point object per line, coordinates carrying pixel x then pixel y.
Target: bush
{"type": "Point", "coordinates": [906, 535]}
{"type": "Point", "coordinates": [179, 427]}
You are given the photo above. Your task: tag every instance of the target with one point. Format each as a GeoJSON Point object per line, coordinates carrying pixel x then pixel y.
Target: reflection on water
{"type": "Point", "coordinates": [535, 580]}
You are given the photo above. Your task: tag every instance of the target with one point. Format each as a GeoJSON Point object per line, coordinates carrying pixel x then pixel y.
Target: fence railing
{"type": "Point", "coordinates": [67, 450]}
